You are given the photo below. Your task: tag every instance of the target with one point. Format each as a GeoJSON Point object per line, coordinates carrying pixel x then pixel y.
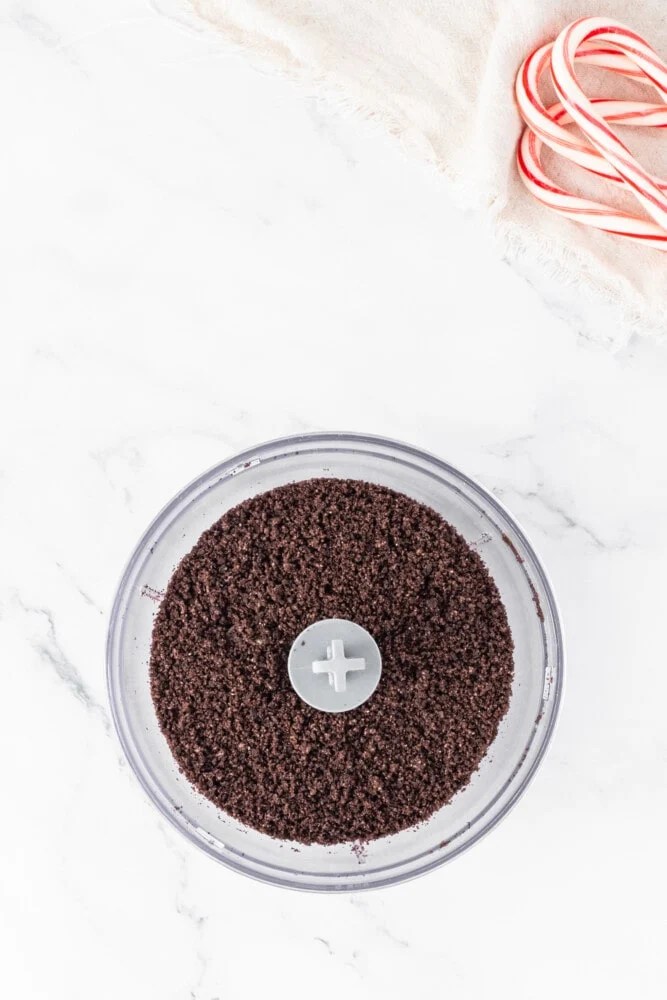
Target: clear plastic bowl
{"type": "Point", "coordinates": [523, 735]}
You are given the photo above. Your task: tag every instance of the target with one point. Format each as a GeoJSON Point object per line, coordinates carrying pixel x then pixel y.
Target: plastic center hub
{"type": "Point", "coordinates": [334, 665]}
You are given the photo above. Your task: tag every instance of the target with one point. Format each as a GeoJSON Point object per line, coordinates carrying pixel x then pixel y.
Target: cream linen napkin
{"type": "Point", "coordinates": [439, 75]}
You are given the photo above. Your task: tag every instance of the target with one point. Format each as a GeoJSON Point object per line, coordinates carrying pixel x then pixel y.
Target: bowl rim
{"type": "Point", "coordinates": [290, 877]}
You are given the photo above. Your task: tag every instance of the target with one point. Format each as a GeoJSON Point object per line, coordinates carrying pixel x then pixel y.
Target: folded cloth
{"type": "Point", "coordinates": [439, 74]}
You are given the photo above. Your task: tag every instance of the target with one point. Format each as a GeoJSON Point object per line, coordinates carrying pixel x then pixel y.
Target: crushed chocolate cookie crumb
{"type": "Point", "coordinates": [330, 548]}
{"type": "Point", "coordinates": [519, 558]}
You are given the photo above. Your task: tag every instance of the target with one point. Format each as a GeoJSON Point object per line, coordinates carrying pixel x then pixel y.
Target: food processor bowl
{"type": "Point", "coordinates": [510, 761]}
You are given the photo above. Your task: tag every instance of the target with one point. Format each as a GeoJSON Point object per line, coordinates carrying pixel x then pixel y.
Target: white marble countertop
{"type": "Point", "coordinates": [197, 257]}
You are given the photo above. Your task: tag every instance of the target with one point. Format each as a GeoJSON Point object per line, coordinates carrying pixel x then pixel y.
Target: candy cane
{"type": "Point", "coordinates": [613, 47]}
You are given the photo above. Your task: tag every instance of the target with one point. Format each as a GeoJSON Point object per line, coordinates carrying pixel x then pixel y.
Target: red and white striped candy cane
{"type": "Point", "coordinates": [610, 45]}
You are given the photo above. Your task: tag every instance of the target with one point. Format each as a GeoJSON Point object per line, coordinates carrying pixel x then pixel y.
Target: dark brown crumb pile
{"type": "Point", "coordinates": [330, 548]}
